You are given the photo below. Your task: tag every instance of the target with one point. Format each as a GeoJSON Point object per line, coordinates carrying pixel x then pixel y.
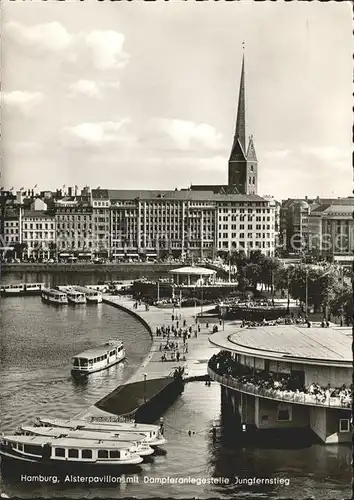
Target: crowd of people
{"type": "Point", "coordinates": [282, 385]}
{"type": "Point", "coordinates": [171, 347]}
{"type": "Point", "coordinates": [285, 321]}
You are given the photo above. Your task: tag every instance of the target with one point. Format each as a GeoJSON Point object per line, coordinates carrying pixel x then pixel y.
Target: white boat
{"type": "Point", "coordinates": [76, 297]}
{"type": "Point", "coordinates": [13, 290]}
{"type": "Point", "coordinates": [92, 296]}
{"type": "Point", "coordinates": [139, 440]}
{"type": "Point", "coordinates": [98, 288]}
{"type": "Point", "coordinates": [33, 288]}
{"type": "Point", "coordinates": [67, 451]}
{"type": "Point", "coordinates": [54, 296]}
{"type": "Point", "coordinates": [98, 358]}
{"type": "Point", "coordinates": [152, 432]}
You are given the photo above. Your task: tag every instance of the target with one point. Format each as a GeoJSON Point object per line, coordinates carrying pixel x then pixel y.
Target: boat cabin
{"type": "Point", "coordinates": [39, 448]}
{"type": "Point", "coordinates": [98, 358]}
{"type": "Point", "coordinates": [151, 431]}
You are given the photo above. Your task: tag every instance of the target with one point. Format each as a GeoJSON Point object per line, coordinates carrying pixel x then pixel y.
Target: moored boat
{"type": "Point", "coordinates": [52, 296]}
{"type": "Point", "coordinates": [152, 432]}
{"type": "Point", "coordinates": [13, 290]}
{"type": "Point", "coordinates": [19, 289]}
{"type": "Point", "coordinates": [139, 440]}
{"type": "Point", "coordinates": [65, 451]}
{"type": "Point", "coordinates": [92, 296]}
{"type": "Point", "coordinates": [75, 297]}
{"type": "Point", "coordinates": [98, 358]}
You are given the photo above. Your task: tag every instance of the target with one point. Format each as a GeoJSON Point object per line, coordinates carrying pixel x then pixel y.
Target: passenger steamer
{"type": "Point", "coordinates": [18, 289]}
{"type": "Point", "coordinates": [74, 296]}
{"type": "Point", "coordinates": [68, 452]}
{"type": "Point", "coordinates": [51, 296]}
{"type": "Point", "coordinates": [152, 432]}
{"type": "Point", "coordinates": [92, 296]}
{"type": "Point", "coordinates": [98, 358]}
{"type": "Point", "coordinates": [138, 439]}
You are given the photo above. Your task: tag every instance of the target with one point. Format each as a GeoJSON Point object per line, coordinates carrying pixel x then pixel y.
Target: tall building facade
{"type": "Point", "coordinates": [321, 225]}
{"type": "Point", "coordinates": [185, 223]}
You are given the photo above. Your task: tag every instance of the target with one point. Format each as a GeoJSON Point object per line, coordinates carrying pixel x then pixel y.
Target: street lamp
{"type": "Point", "coordinates": [145, 375]}
{"type": "Point", "coordinates": [306, 291]}
{"type": "Point", "coordinates": [288, 283]}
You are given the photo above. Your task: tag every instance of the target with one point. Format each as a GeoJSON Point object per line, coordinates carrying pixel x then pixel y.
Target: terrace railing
{"type": "Point", "coordinates": [279, 395]}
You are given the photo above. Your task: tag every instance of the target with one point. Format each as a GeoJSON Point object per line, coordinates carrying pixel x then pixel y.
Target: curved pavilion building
{"type": "Point", "coordinates": [287, 376]}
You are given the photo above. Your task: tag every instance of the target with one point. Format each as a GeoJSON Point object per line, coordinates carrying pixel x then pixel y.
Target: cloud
{"type": "Point", "coordinates": [50, 36]}
{"type": "Point", "coordinates": [107, 49]}
{"type": "Point", "coordinates": [96, 134]}
{"type": "Point", "coordinates": [22, 100]}
{"type": "Point", "coordinates": [280, 154]}
{"type": "Point", "coordinates": [186, 135]}
{"type": "Point", "coordinates": [105, 46]}
{"type": "Point", "coordinates": [329, 153]}
{"type": "Point", "coordinates": [87, 88]}
{"type": "Point", "coordinates": [90, 88]}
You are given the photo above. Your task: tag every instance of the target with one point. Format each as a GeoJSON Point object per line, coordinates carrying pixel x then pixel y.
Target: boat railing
{"type": "Point", "coordinates": [116, 418]}
{"type": "Point", "coordinates": [279, 395]}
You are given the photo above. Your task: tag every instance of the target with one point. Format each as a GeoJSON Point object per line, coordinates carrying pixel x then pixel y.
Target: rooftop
{"type": "Point", "coordinates": [98, 351]}
{"type": "Point", "coordinates": [72, 443]}
{"type": "Point", "coordinates": [199, 271]}
{"type": "Point", "coordinates": [291, 343]}
{"type": "Point", "coordinates": [130, 194]}
{"type": "Point", "coordinates": [68, 432]}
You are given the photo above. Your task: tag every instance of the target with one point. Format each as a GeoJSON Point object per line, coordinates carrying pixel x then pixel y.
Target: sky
{"type": "Point", "coordinates": [143, 95]}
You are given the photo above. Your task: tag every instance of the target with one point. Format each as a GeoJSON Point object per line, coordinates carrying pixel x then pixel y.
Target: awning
{"type": "Point", "coordinates": [65, 255]}
{"type": "Point", "coordinates": [7, 248]}
{"type": "Point", "coordinates": [118, 254]}
{"type": "Point", "coordinates": [151, 255]}
{"type": "Point", "coordinates": [85, 254]}
{"type": "Point", "coordinates": [132, 255]}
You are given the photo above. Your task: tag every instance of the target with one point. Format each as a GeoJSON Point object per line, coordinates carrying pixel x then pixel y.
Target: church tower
{"type": "Point", "coordinates": [243, 164]}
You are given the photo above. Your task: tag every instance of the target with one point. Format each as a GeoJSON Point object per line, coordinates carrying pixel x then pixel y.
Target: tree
{"type": "Point", "coordinates": [322, 285]}
{"type": "Point", "coordinates": [52, 249]}
{"type": "Point", "coordinates": [18, 250]}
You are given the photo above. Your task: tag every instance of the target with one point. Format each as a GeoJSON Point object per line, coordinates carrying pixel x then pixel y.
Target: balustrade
{"type": "Point", "coordinates": [279, 395]}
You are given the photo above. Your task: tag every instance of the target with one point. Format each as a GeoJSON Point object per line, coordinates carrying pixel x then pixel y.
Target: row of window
{"type": "Point", "coordinates": [241, 236]}
{"type": "Point", "coordinates": [38, 226]}
{"type": "Point", "coordinates": [39, 236]}
{"type": "Point", "coordinates": [226, 218]}
{"type": "Point", "coordinates": [243, 244]}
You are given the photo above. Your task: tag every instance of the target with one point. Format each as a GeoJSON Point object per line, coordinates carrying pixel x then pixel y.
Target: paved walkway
{"type": "Point", "coordinates": [199, 348]}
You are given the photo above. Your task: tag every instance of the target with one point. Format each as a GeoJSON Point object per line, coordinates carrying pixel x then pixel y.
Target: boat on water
{"type": "Point", "coordinates": [67, 451]}
{"type": "Point", "coordinates": [152, 432]}
{"type": "Point", "coordinates": [51, 296]}
{"type": "Point", "coordinates": [92, 296]}
{"type": "Point", "coordinates": [74, 296]}
{"type": "Point", "coordinates": [18, 289]}
{"type": "Point", "coordinates": [139, 440]}
{"type": "Point", "coordinates": [98, 358]}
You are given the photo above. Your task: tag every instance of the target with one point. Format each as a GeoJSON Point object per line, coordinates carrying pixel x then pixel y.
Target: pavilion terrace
{"type": "Point", "coordinates": [193, 276]}
{"type": "Point", "coordinates": [288, 376]}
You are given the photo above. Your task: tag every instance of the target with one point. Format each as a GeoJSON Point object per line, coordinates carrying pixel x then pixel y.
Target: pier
{"type": "Point", "coordinates": [153, 383]}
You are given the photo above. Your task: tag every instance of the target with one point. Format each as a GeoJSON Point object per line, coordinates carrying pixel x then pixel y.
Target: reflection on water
{"type": "Point", "coordinates": [77, 277]}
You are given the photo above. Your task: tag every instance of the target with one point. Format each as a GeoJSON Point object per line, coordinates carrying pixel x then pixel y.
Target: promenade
{"type": "Point", "coordinates": [152, 368]}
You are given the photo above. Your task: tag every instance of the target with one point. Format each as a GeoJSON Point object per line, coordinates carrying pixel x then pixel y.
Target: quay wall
{"type": "Point", "coordinates": [131, 312]}
{"type": "Point", "coordinates": [85, 266]}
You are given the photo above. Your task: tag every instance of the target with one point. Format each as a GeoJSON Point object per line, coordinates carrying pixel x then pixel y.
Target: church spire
{"type": "Point", "coordinates": [240, 132]}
